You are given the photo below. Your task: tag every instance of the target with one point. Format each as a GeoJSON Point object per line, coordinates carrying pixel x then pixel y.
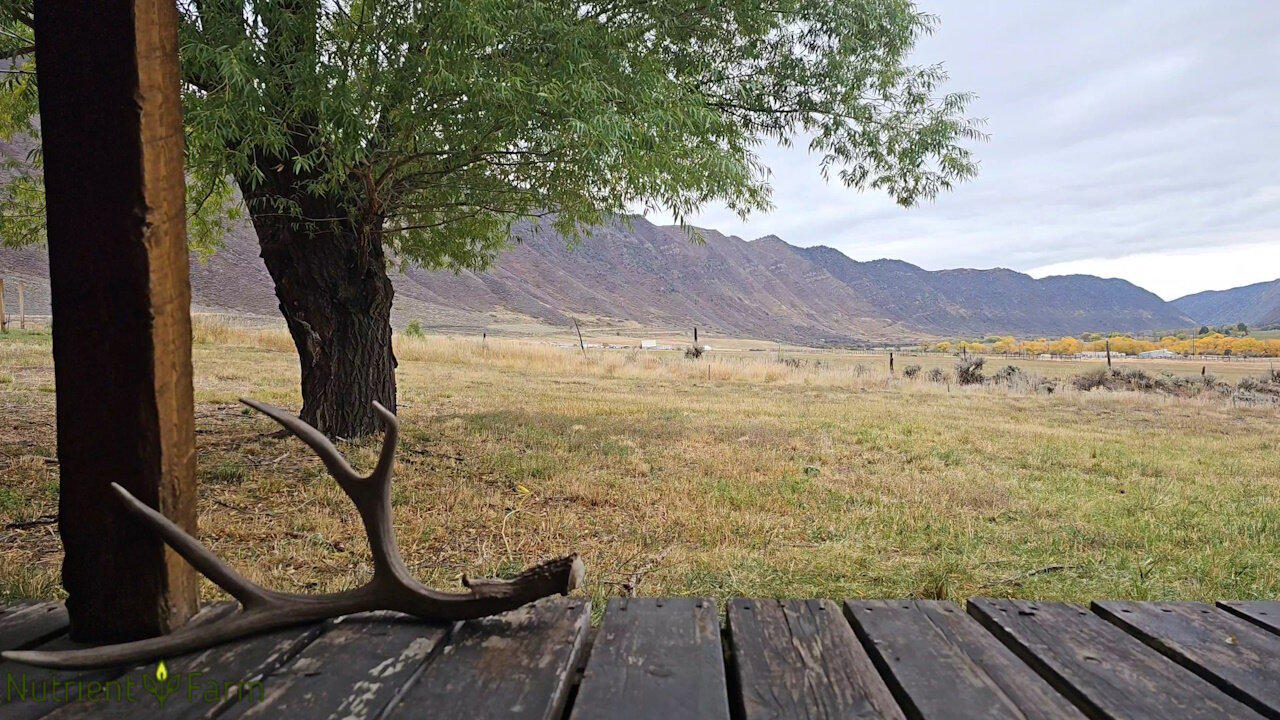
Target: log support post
{"type": "Point", "coordinates": [112, 138]}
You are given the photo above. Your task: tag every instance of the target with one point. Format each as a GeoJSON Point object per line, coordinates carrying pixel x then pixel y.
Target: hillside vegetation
{"type": "Point", "coordinates": [773, 473]}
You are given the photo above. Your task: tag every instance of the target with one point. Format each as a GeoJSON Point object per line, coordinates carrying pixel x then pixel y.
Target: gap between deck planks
{"type": "Point", "coordinates": [669, 659]}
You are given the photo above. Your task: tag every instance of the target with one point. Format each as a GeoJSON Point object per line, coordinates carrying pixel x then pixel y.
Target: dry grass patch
{"type": "Point", "coordinates": [768, 479]}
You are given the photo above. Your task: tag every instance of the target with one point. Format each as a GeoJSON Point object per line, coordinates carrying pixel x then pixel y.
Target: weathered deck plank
{"type": "Point", "coordinates": [799, 659]}
{"type": "Point", "coordinates": [43, 690]}
{"type": "Point", "coordinates": [655, 659]}
{"type": "Point", "coordinates": [353, 671]}
{"type": "Point", "coordinates": [1219, 647]}
{"type": "Point", "coordinates": [204, 683]}
{"type": "Point", "coordinates": [661, 659]}
{"type": "Point", "coordinates": [942, 664]}
{"type": "Point", "coordinates": [514, 666]}
{"type": "Point", "coordinates": [1103, 670]}
{"type": "Point", "coordinates": [1263, 613]}
{"type": "Point", "coordinates": [31, 623]}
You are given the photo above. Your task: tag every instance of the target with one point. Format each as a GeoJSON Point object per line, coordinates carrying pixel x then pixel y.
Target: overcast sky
{"type": "Point", "coordinates": [1128, 139]}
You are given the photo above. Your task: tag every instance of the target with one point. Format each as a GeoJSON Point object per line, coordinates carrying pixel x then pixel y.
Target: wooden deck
{"type": "Point", "coordinates": [669, 659]}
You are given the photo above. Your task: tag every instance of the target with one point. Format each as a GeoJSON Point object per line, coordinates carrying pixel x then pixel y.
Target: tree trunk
{"type": "Point", "coordinates": [331, 280]}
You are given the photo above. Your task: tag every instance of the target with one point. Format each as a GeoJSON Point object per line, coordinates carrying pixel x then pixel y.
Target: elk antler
{"type": "Point", "coordinates": [391, 588]}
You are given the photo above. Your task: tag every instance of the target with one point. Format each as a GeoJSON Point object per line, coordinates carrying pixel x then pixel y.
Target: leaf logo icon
{"type": "Point", "coordinates": [160, 687]}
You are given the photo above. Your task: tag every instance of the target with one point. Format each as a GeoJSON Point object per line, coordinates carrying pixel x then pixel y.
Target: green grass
{"type": "Point", "coordinates": [765, 481]}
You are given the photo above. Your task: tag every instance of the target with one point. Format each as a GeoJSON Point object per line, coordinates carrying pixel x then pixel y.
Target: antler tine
{"type": "Point", "coordinates": [333, 460]}
{"type": "Point", "coordinates": [194, 552]}
{"type": "Point", "coordinates": [387, 458]}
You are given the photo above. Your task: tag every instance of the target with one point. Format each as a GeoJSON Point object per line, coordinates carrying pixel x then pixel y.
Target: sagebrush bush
{"type": "Point", "coordinates": [937, 375]}
{"type": "Point", "coordinates": [1009, 374]}
{"type": "Point", "coordinates": [1092, 379]}
{"type": "Point", "coordinates": [1016, 378]}
{"type": "Point", "coordinates": [969, 371]}
{"type": "Point", "coordinates": [1136, 379]}
{"type": "Point", "coordinates": [414, 329]}
{"type": "Point", "coordinates": [910, 371]}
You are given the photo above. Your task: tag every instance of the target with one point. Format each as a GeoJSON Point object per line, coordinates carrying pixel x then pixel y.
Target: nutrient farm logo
{"type": "Point", "coordinates": [159, 686]}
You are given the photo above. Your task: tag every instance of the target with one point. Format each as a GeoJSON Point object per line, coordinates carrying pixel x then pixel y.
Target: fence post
{"type": "Point", "coordinates": [22, 307]}
{"type": "Point", "coordinates": [4, 319]}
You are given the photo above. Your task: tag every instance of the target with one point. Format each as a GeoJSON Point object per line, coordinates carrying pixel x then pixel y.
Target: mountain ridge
{"type": "Point", "coordinates": [1257, 304]}
{"type": "Point", "coordinates": [633, 273]}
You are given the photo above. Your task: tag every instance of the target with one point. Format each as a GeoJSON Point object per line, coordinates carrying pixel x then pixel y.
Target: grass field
{"type": "Point", "coordinates": [732, 475]}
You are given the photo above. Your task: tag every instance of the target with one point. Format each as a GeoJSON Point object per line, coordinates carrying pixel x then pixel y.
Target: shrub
{"type": "Point", "coordinates": [910, 371]}
{"type": "Point", "coordinates": [694, 352]}
{"type": "Point", "coordinates": [1092, 380]}
{"type": "Point", "coordinates": [1137, 379]}
{"type": "Point", "coordinates": [414, 329]}
{"type": "Point", "coordinates": [1009, 375]}
{"type": "Point", "coordinates": [938, 376]}
{"type": "Point", "coordinates": [969, 371]}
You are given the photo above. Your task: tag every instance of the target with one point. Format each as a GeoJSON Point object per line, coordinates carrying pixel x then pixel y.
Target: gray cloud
{"type": "Point", "coordinates": [1118, 129]}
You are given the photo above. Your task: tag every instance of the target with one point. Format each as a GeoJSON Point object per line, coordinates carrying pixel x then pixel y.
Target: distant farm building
{"type": "Point", "coordinates": [649, 344]}
{"type": "Point", "coordinates": [1161, 353]}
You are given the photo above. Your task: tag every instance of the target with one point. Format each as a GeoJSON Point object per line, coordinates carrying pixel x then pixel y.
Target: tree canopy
{"type": "Point", "coordinates": [445, 121]}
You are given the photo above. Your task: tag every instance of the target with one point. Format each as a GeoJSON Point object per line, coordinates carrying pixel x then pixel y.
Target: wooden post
{"type": "Point", "coordinates": [111, 130]}
{"type": "Point", "coordinates": [1108, 354]}
{"type": "Point", "coordinates": [22, 307]}
{"type": "Point", "coordinates": [890, 363]}
{"type": "Point", "coordinates": [581, 344]}
{"type": "Point", "coordinates": [695, 334]}
{"type": "Point", "coordinates": [4, 319]}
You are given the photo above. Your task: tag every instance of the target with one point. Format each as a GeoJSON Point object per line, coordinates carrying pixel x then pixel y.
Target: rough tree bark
{"type": "Point", "coordinates": [331, 279]}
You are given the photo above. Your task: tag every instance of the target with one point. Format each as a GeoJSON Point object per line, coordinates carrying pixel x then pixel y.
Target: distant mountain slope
{"type": "Point", "coordinates": [1257, 304]}
{"type": "Point", "coordinates": [976, 302]}
{"type": "Point", "coordinates": [654, 276]}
